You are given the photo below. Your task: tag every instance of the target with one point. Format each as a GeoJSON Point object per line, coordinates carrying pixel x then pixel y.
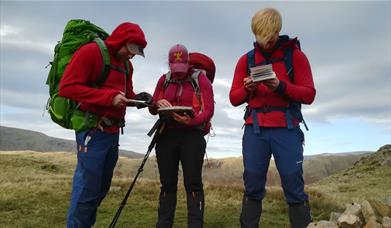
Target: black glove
{"type": "Point", "coordinates": [144, 96]}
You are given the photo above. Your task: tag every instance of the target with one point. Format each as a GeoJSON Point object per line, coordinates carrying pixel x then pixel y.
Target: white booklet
{"type": "Point", "coordinates": [261, 73]}
{"type": "Point", "coordinates": [181, 110]}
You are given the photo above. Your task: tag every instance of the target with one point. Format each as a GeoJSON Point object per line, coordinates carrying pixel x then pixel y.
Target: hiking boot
{"type": "Point", "coordinates": [251, 213]}
{"type": "Point", "coordinates": [195, 210]}
{"type": "Point", "coordinates": [166, 211]}
{"type": "Point", "coordinates": [299, 215]}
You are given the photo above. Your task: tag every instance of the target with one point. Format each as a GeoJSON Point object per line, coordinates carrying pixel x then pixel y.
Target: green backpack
{"type": "Point", "coordinates": [64, 111]}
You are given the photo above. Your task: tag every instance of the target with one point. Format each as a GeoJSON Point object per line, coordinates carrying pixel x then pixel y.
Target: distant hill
{"type": "Point", "coordinates": [368, 178]}
{"type": "Point", "coordinates": [225, 170]}
{"type": "Point", "coordinates": [324, 165]}
{"type": "Point", "coordinates": [317, 167]}
{"type": "Point", "coordinates": [229, 171]}
{"type": "Point", "coordinates": [13, 139]}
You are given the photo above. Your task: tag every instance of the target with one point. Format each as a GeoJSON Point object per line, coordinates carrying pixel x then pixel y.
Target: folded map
{"type": "Point", "coordinates": [261, 73]}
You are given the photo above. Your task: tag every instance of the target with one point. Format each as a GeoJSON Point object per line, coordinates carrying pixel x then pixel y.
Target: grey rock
{"type": "Point", "coordinates": [386, 222]}
{"type": "Point", "coordinates": [349, 221]}
{"type": "Point", "coordinates": [373, 224]}
{"type": "Point", "coordinates": [115, 188]}
{"type": "Point", "coordinates": [323, 224]}
{"type": "Point", "coordinates": [367, 211]}
{"type": "Point", "coordinates": [381, 208]}
{"type": "Point", "coordinates": [334, 216]}
{"type": "Point", "coordinates": [353, 209]}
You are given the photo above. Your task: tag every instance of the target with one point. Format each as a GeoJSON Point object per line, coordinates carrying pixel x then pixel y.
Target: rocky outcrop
{"type": "Point", "coordinates": [367, 214]}
{"type": "Point", "coordinates": [373, 213]}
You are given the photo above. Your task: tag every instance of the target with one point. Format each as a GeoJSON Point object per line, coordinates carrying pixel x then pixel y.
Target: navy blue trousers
{"type": "Point", "coordinates": [286, 146]}
{"type": "Point", "coordinates": [96, 159]}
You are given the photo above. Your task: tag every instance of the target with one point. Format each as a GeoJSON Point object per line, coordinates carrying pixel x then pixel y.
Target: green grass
{"type": "Point", "coordinates": [369, 179]}
{"type": "Point", "coordinates": [35, 191]}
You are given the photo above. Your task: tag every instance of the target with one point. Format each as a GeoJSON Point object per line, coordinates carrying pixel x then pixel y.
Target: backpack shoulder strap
{"type": "Point", "coordinates": [288, 60]}
{"type": "Point", "coordinates": [106, 62]}
{"type": "Point", "coordinates": [195, 82]}
{"type": "Point", "coordinates": [127, 70]}
{"type": "Point", "coordinates": [127, 73]}
{"type": "Point", "coordinates": [250, 60]}
{"type": "Point", "coordinates": [167, 80]}
{"type": "Point", "coordinates": [294, 107]}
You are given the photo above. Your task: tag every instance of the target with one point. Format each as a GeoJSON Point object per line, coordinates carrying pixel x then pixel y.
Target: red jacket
{"type": "Point", "coordinates": [85, 67]}
{"type": "Point", "coordinates": [171, 93]}
{"type": "Point", "coordinates": [300, 90]}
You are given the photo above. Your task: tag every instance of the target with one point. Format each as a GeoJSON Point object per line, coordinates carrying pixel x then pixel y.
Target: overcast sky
{"type": "Point", "coordinates": [347, 44]}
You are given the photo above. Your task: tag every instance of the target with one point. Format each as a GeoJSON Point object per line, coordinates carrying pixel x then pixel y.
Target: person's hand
{"type": "Point", "coordinates": [162, 103]}
{"type": "Point", "coordinates": [272, 84]}
{"type": "Point", "coordinates": [144, 96]}
{"type": "Point", "coordinates": [183, 119]}
{"type": "Point", "coordinates": [249, 84]}
{"type": "Point", "coordinates": [119, 100]}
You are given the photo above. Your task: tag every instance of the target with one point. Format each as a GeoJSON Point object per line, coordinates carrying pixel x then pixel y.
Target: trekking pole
{"type": "Point", "coordinates": [157, 129]}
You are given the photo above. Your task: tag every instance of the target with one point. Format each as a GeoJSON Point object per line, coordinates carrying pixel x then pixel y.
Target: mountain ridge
{"type": "Point", "coordinates": [368, 178]}
{"type": "Point", "coordinates": [13, 139]}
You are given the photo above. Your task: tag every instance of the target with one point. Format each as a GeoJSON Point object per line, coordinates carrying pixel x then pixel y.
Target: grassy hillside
{"type": "Point", "coordinates": [35, 189]}
{"type": "Point", "coordinates": [228, 170]}
{"type": "Point", "coordinates": [368, 178]}
{"type": "Point", "coordinates": [321, 166]}
{"type": "Point", "coordinates": [14, 139]}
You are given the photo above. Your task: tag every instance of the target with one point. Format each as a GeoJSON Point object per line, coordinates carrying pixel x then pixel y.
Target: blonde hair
{"type": "Point", "coordinates": [266, 24]}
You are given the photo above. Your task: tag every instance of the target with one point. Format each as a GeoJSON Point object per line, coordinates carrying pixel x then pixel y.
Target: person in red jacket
{"type": "Point", "coordinates": [182, 139]}
{"type": "Point", "coordinates": [272, 117]}
{"type": "Point", "coordinates": [98, 147]}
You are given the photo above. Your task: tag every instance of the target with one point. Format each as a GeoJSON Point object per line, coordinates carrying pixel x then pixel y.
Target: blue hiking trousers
{"type": "Point", "coordinates": [97, 155]}
{"type": "Point", "coordinates": [286, 146]}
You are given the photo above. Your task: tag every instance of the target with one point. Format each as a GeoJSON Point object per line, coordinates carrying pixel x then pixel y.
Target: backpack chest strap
{"type": "Point", "coordinates": [193, 81]}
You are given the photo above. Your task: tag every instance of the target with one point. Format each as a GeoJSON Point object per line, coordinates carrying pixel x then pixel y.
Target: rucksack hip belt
{"type": "Point", "coordinates": [110, 122]}
{"type": "Point", "coordinates": [265, 109]}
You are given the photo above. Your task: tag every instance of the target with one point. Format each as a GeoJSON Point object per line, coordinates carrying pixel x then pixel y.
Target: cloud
{"type": "Point", "coordinates": [347, 45]}
{"type": "Point", "coordinates": [7, 30]}
{"type": "Point", "coordinates": [356, 89]}
{"type": "Point", "coordinates": [16, 38]}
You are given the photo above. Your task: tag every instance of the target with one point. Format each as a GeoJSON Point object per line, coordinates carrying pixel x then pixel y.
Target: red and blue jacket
{"type": "Point", "coordinates": [300, 90]}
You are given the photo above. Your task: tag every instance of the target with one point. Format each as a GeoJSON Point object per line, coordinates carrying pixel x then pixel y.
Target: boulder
{"type": "Point", "coordinates": [381, 208]}
{"type": "Point", "coordinates": [373, 224]}
{"type": "Point", "coordinates": [353, 209]}
{"type": "Point", "coordinates": [386, 222]}
{"type": "Point", "coordinates": [323, 224]}
{"type": "Point", "coordinates": [334, 216]}
{"type": "Point", "coordinates": [367, 211]}
{"type": "Point", "coordinates": [349, 221]}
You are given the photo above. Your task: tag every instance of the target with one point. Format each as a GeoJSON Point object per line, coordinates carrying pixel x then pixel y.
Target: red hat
{"type": "Point", "coordinates": [203, 62]}
{"type": "Point", "coordinates": [178, 57]}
